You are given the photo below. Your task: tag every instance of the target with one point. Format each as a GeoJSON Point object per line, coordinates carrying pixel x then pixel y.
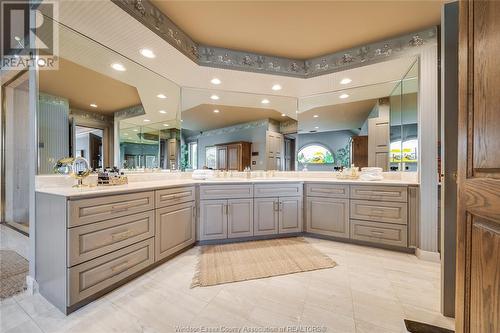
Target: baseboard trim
{"type": "Point", "coordinates": [428, 255]}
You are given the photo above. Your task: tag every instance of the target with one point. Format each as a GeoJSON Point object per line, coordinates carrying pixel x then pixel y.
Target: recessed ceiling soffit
{"type": "Point", "coordinates": [205, 55]}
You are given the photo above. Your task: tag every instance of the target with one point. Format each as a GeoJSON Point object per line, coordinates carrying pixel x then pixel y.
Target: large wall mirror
{"type": "Point", "coordinates": [234, 131]}
{"type": "Point", "coordinates": [106, 108]}
{"type": "Point", "coordinates": [365, 126]}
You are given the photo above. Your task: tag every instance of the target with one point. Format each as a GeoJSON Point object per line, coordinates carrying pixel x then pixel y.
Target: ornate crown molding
{"type": "Point", "coordinates": [205, 55]}
{"type": "Point", "coordinates": [133, 111]}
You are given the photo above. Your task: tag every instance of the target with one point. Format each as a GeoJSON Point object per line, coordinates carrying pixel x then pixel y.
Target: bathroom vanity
{"type": "Point", "coordinates": [90, 241]}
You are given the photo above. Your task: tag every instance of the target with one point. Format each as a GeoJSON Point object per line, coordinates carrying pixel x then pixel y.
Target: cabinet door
{"type": "Point", "coordinates": [172, 149]}
{"type": "Point", "coordinates": [240, 218]}
{"type": "Point", "coordinates": [233, 157]}
{"type": "Point", "coordinates": [290, 215]}
{"type": "Point", "coordinates": [222, 158]}
{"type": "Point", "coordinates": [175, 229]}
{"type": "Point", "coordinates": [213, 219]}
{"type": "Point", "coordinates": [265, 216]}
{"type": "Point", "coordinates": [328, 216]}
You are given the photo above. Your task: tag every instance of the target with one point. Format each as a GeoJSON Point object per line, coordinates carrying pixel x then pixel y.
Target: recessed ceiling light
{"type": "Point", "coordinates": [265, 101]}
{"type": "Point", "coordinates": [118, 67]}
{"type": "Point", "coordinates": [161, 96]}
{"type": "Point", "coordinates": [146, 120]}
{"type": "Point", "coordinates": [345, 80]}
{"type": "Point", "coordinates": [276, 87]}
{"type": "Point", "coordinates": [93, 105]}
{"type": "Point", "coordinates": [344, 96]}
{"type": "Point", "coordinates": [147, 53]}
{"type": "Point", "coordinates": [215, 81]}
{"type": "Point", "coordinates": [216, 111]}
{"type": "Point", "coordinates": [214, 97]}
{"type": "Point", "coordinates": [316, 127]}
{"type": "Point", "coordinates": [17, 38]}
{"type": "Point", "coordinates": [125, 134]}
{"type": "Point", "coordinates": [283, 115]}
{"type": "Point", "coordinates": [166, 125]}
{"type": "Point", "coordinates": [135, 130]}
{"type": "Point", "coordinates": [162, 111]}
{"type": "Point", "coordinates": [315, 116]}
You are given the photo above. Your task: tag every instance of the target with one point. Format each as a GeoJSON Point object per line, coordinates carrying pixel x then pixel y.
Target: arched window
{"type": "Point", "coordinates": [315, 154]}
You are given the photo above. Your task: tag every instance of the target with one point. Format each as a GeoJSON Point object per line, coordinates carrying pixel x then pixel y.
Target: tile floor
{"type": "Point", "coordinates": [370, 291]}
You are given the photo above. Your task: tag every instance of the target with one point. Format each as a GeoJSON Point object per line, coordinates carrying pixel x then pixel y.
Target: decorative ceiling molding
{"type": "Point", "coordinates": [204, 55]}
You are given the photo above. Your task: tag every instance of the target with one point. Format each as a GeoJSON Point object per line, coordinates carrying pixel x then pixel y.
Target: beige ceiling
{"type": "Point", "coordinates": [299, 29]}
{"type": "Point", "coordinates": [83, 86]}
{"type": "Point", "coordinates": [203, 118]}
{"type": "Point", "coordinates": [347, 116]}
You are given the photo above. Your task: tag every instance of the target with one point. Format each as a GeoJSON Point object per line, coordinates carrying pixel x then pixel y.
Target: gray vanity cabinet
{"type": "Point", "coordinates": [175, 229]}
{"type": "Point", "coordinates": [290, 215]}
{"type": "Point", "coordinates": [266, 216]}
{"type": "Point", "coordinates": [213, 219]}
{"type": "Point", "coordinates": [239, 218]}
{"type": "Point", "coordinates": [327, 216]}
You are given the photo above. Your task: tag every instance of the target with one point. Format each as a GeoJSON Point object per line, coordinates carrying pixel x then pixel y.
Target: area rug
{"type": "Point", "coordinates": [234, 262]}
{"type": "Point", "coordinates": [13, 271]}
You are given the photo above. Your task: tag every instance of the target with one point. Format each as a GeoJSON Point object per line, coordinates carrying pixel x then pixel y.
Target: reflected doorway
{"type": "Point", "coordinates": [88, 144]}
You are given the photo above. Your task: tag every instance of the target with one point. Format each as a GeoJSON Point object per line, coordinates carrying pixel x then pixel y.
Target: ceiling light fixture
{"type": "Point", "coordinates": [135, 130]}
{"type": "Point", "coordinates": [161, 96]}
{"type": "Point", "coordinates": [283, 115]}
{"type": "Point", "coordinates": [265, 101]}
{"type": "Point", "coordinates": [147, 53]}
{"type": "Point", "coordinates": [146, 120]}
{"type": "Point", "coordinates": [93, 105]}
{"type": "Point", "coordinates": [118, 67]}
{"type": "Point", "coordinates": [216, 111]}
{"type": "Point", "coordinates": [166, 125]}
{"type": "Point", "coordinates": [162, 111]}
{"type": "Point", "coordinates": [345, 80]}
{"type": "Point", "coordinates": [215, 81]}
{"type": "Point", "coordinates": [315, 116]}
{"type": "Point", "coordinates": [343, 96]}
{"type": "Point", "coordinates": [316, 127]}
{"type": "Point", "coordinates": [214, 97]}
{"type": "Point", "coordinates": [276, 87]}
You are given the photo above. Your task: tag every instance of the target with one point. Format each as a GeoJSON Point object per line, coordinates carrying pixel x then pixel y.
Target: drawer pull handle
{"type": "Point", "coordinates": [377, 232]}
{"type": "Point", "coordinates": [122, 235]}
{"type": "Point", "coordinates": [120, 208]}
{"type": "Point", "coordinates": [118, 269]}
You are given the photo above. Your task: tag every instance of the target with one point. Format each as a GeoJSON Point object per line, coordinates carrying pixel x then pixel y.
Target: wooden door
{"type": "Point", "coordinates": [360, 151]}
{"type": "Point", "coordinates": [234, 157]}
{"type": "Point", "coordinates": [175, 229]}
{"type": "Point", "coordinates": [213, 219]}
{"type": "Point", "coordinates": [290, 215]}
{"type": "Point", "coordinates": [265, 216]}
{"type": "Point", "coordinates": [240, 218]}
{"type": "Point", "coordinates": [478, 213]}
{"type": "Point", "coordinates": [222, 158]}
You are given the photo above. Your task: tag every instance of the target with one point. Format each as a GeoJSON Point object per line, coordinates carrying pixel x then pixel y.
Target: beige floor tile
{"type": "Point", "coordinates": [12, 315]}
{"type": "Point", "coordinates": [429, 317]}
{"type": "Point", "coordinates": [25, 327]}
{"type": "Point", "coordinates": [332, 321]}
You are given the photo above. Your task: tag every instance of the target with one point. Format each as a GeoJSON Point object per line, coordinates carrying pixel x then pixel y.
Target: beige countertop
{"type": "Point", "coordinates": [137, 186]}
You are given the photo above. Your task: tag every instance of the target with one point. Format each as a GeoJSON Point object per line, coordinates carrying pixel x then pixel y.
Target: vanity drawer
{"type": "Point", "coordinates": [380, 233]}
{"type": "Point", "coordinates": [378, 211]}
{"type": "Point", "coordinates": [327, 190]}
{"type": "Point", "coordinates": [93, 240]}
{"type": "Point", "coordinates": [380, 193]}
{"type": "Point", "coordinates": [226, 191]}
{"type": "Point", "coordinates": [93, 276]}
{"type": "Point", "coordinates": [278, 190]}
{"type": "Point", "coordinates": [99, 209]}
{"type": "Point", "coordinates": [176, 195]}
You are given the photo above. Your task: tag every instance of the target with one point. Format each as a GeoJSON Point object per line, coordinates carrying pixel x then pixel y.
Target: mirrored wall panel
{"type": "Point", "coordinates": [362, 125]}
{"type": "Point", "coordinates": [224, 130]}
{"type": "Point", "coordinates": [106, 108]}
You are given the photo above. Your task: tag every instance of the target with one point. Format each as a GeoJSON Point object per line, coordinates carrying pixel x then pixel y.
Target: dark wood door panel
{"type": "Point", "coordinates": [485, 274]}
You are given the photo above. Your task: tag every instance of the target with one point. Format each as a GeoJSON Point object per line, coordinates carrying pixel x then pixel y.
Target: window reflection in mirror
{"type": "Point", "coordinates": [372, 125]}
{"type": "Point", "coordinates": [237, 131]}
